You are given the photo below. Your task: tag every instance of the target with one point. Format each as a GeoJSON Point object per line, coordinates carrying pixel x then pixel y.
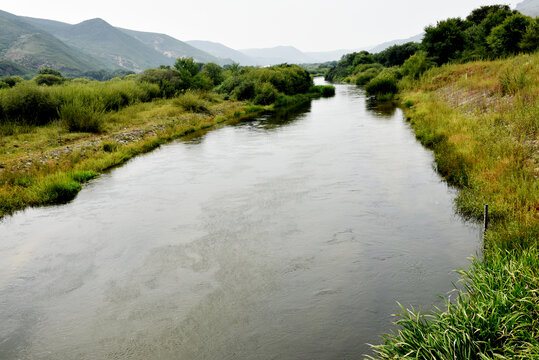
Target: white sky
{"type": "Point", "coordinates": [309, 25]}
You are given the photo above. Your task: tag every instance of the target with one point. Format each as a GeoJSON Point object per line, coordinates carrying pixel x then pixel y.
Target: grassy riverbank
{"type": "Point", "coordinates": [481, 119]}
{"type": "Point", "coordinates": [56, 137]}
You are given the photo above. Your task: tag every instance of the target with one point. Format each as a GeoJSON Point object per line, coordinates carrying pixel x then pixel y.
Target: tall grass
{"type": "Point", "coordinates": [482, 121]}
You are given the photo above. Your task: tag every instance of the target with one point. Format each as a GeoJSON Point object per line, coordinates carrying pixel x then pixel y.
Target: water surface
{"type": "Point", "coordinates": [282, 237]}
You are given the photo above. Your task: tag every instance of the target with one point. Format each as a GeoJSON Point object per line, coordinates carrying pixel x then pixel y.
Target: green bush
{"type": "Point", "coordinates": [383, 84]}
{"type": "Point", "coordinates": [245, 90]}
{"type": "Point", "coordinates": [364, 77]}
{"type": "Point", "coordinates": [416, 65]}
{"type": "Point", "coordinates": [48, 80]}
{"type": "Point", "coordinates": [265, 94]}
{"type": "Point", "coordinates": [170, 81]}
{"type": "Point", "coordinates": [190, 101]}
{"type": "Point", "coordinates": [28, 104]}
{"type": "Point", "coordinates": [11, 81]}
{"type": "Point", "coordinates": [80, 117]}
{"type": "Point", "coordinates": [322, 90]}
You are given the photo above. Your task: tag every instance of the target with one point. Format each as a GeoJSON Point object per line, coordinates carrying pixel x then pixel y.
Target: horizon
{"type": "Point", "coordinates": [343, 34]}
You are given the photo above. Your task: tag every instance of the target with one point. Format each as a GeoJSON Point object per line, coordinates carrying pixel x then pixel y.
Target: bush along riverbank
{"type": "Point", "coordinates": [58, 134]}
{"type": "Point", "coordinates": [481, 119]}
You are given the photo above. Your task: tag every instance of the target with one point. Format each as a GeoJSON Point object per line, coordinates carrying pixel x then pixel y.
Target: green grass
{"type": "Point", "coordinates": [481, 119]}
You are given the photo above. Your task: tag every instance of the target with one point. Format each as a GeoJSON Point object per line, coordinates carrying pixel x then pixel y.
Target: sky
{"type": "Point", "coordinates": [309, 25]}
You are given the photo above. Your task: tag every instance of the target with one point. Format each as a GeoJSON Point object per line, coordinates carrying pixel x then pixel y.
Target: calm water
{"type": "Point", "coordinates": [285, 237]}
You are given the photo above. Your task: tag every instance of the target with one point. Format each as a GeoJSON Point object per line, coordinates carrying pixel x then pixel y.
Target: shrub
{"type": "Point", "coordinates": [80, 117]}
{"type": "Point", "coordinates": [191, 102]}
{"type": "Point", "coordinates": [170, 81]}
{"type": "Point", "coordinates": [322, 90]}
{"type": "Point", "coordinates": [49, 80]}
{"type": "Point", "coordinates": [245, 90]}
{"type": "Point", "coordinates": [265, 94]}
{"type": "Point", "coordinates": [29, 104]}
{"type": "Point", "coordinates": [364, 77]}
{"type": "Point", "coordinates": [416, 65]}
{"type": "Point", "coordinates": [11, 81]}
{"type": "Point", "coordinates": [505, 39]}
{"type": "Point", "coordinates": [383, 84]}
{"type": "Point", "coordinates": [49, 71]}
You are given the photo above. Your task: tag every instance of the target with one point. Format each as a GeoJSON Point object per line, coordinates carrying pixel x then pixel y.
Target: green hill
{"type": "Point", "coordinates": [174, 48]}
{"type": "Point", "coordinates": [33, 48]}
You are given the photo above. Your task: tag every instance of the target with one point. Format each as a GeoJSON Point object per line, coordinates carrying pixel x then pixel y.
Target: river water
{"type": "Point", "coordinates": [282, 237]}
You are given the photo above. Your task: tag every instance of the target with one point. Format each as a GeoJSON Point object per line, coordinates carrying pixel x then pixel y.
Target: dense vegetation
{"type": "Point", "coordinates": [127, 115]}
{"type": "Point", "coordinates": [482, 121]}
{"type": "Point", "coordinates": [480, 115]}
{"type": "Point", "coordinates": [489, 32]}
{"type": "Point", "coordinates": [476, 105]}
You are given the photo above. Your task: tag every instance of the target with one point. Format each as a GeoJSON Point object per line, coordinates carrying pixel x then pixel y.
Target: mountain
{"type": "Point", "coordinates": [222, 51]}
{"type": "Point", "coordinates": [529, 7]}
{"type": "Point", "coordinates": [278, 55]}
{"type": "Point", "coordinates": [174, 48]}
{"type": "Point", "coordinates": [33, 48]}
{"type": "Point", "coordinates": [385, 45]}
{"type": "Point", "coordinates": [103, 40]}
{"type": "Point", "coordinates": [325, 56]}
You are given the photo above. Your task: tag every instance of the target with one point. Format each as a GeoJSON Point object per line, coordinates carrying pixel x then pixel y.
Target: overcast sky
{"type": "Point", "coordinates": [310, 25]}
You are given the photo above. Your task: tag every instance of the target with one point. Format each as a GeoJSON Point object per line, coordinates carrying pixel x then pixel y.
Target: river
{"type": "Point", "coordinates": [288, 236]}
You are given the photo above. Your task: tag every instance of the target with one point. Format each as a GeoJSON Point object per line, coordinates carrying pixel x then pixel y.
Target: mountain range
{"type": "Point", "coordinates": [28, 44]}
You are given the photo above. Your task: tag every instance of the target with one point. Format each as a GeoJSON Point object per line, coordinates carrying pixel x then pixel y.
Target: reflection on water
{"type": "Point", "coordinates": [281, 117]}
{"type": "Point", "coordinates": [382, 109]}
{"type": "Point", "coordinates": [283, 237]}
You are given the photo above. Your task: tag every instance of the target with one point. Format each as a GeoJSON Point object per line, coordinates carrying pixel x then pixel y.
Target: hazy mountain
{"type": "Point", "coordinates": [103, 40]}
{"type": "Point", "coordinates": [325, 56]}
{"type": "Point", "coordinates": [33, 48]}
{"type": "Point", "coordinates": [174, 48]}
{"type": "Point", "coordinates": [385, 45]}
{"type": "Point", "coordinates": [278, 55]}
{"type": "Point", "coordinates": [529, 7]}
{"type": "Point", "coordinates": [222, 51]}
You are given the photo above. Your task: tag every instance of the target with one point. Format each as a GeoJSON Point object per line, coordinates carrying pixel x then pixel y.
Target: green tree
{"type": "Point", "coordinates": [416, 65]}
{"type": "Point", "coordinates": [48, 71]}
{"type": "Point", "coordinates": [530, 40]}
{"type": "Point", "coordinates": [505, 39]}
{"type": "Point", "coordinates": [214, 72]}
{"type": "Point", "coordinates": [187, 64]}
{"type": "Point", "coordinates": [396, 55]}
{"type": "Point", "coordinates": [445, 41]}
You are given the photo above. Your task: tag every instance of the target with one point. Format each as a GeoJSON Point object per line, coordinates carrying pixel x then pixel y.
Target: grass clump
{"type": "Point", "coordinates": [79, 117]}
{"type": "Point", "coordinates": [191, 101]}
{"type": "Point", "coordinates": [383, 86]}
{"type": "Point", "coordinates": [27, 103]}
{"type": "Point", "coordinates": [497, 316]}
{"type": "Point", "coordinates": [322, 90]}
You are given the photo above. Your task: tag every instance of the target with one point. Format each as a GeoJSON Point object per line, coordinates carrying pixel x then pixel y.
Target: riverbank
{"type": "Point", "coordinates": [48, 165]}
{"type": "Point", "coordinates": [481, 120]}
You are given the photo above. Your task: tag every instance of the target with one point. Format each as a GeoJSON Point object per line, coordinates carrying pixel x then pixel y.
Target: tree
{"type": "Point", "coordinates": [48, 71]}
{"type": "Point", "coordinates": [214, 72]}
{"type": "Point", "coordinates": [530, 40]}
{"type": "Point", "coordinates": [505, 39]}
{"type": "Point", "coordinates": [445, 41]}
{"type": "Point", "coordinates": [396, 55]}
{"type": "Point", "coordinates": [416, 65]}
{"type": "Point", "coordinates": [187, 64]}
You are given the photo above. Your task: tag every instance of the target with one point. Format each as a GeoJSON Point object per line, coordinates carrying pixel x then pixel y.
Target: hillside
{"type": "Point", "coordinates": [33, 48]}
{"type": "Point", "coordinates": [278, 55]}
{"type": "Point", "coordinates": [529, 7]}
{"type": "Point", "coordinates": [222, 51]}
{"type": "Point", "coordinates": [174, 48]}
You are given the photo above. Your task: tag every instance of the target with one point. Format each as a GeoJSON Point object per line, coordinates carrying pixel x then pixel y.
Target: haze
{"type": "Point", "coordinates": [309, 25]}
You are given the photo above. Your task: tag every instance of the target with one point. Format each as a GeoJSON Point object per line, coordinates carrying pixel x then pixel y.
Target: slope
{"type": "Point", "coordinates": [222, 51]}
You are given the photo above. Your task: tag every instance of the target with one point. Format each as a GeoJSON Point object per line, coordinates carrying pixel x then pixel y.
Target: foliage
{"type": "Point", "coordinates": [347, 64]}
{"type": "Point", "coordinates": [191, 101]}
{"type": "Point", "coordinates": [384, 83]}
{"type": "Point", "coordinates": [48, 71]}
{"type": "Point", "coordinates": [505, 39]}
{"type": "Point", "coordinates": [322, 90]}
{"type": "Point", "coordinates": [396, 55]}
{"type": "Point", "coordinates": [444, 41]}
{"type": "Point", "coordinates": [48, 79]}
{"type": "Point", "coordinates": [27, 103]}
{"type": "Point", "coordinates": [170, 81]}
{"type": "Point", "coordinates": [187, 64]}
{"type": "Point", "coordinates": [530, 39]}
{"type": "Point", "coordinates": [266, 94]}
{"type": "Point", "coordinates": [11, 81]}
{"type": "Point", "coordinates": [416, 65]}
{"type": "Point", "coordinates": [214, 72]}
{"type": "Point", "coordinates": [80, 117]}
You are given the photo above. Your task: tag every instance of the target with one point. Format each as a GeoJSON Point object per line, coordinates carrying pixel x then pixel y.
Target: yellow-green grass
{"type": "Point", "coordinates": [43, 165]}
{"type": "Point", "coordinates": [481, 119]}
